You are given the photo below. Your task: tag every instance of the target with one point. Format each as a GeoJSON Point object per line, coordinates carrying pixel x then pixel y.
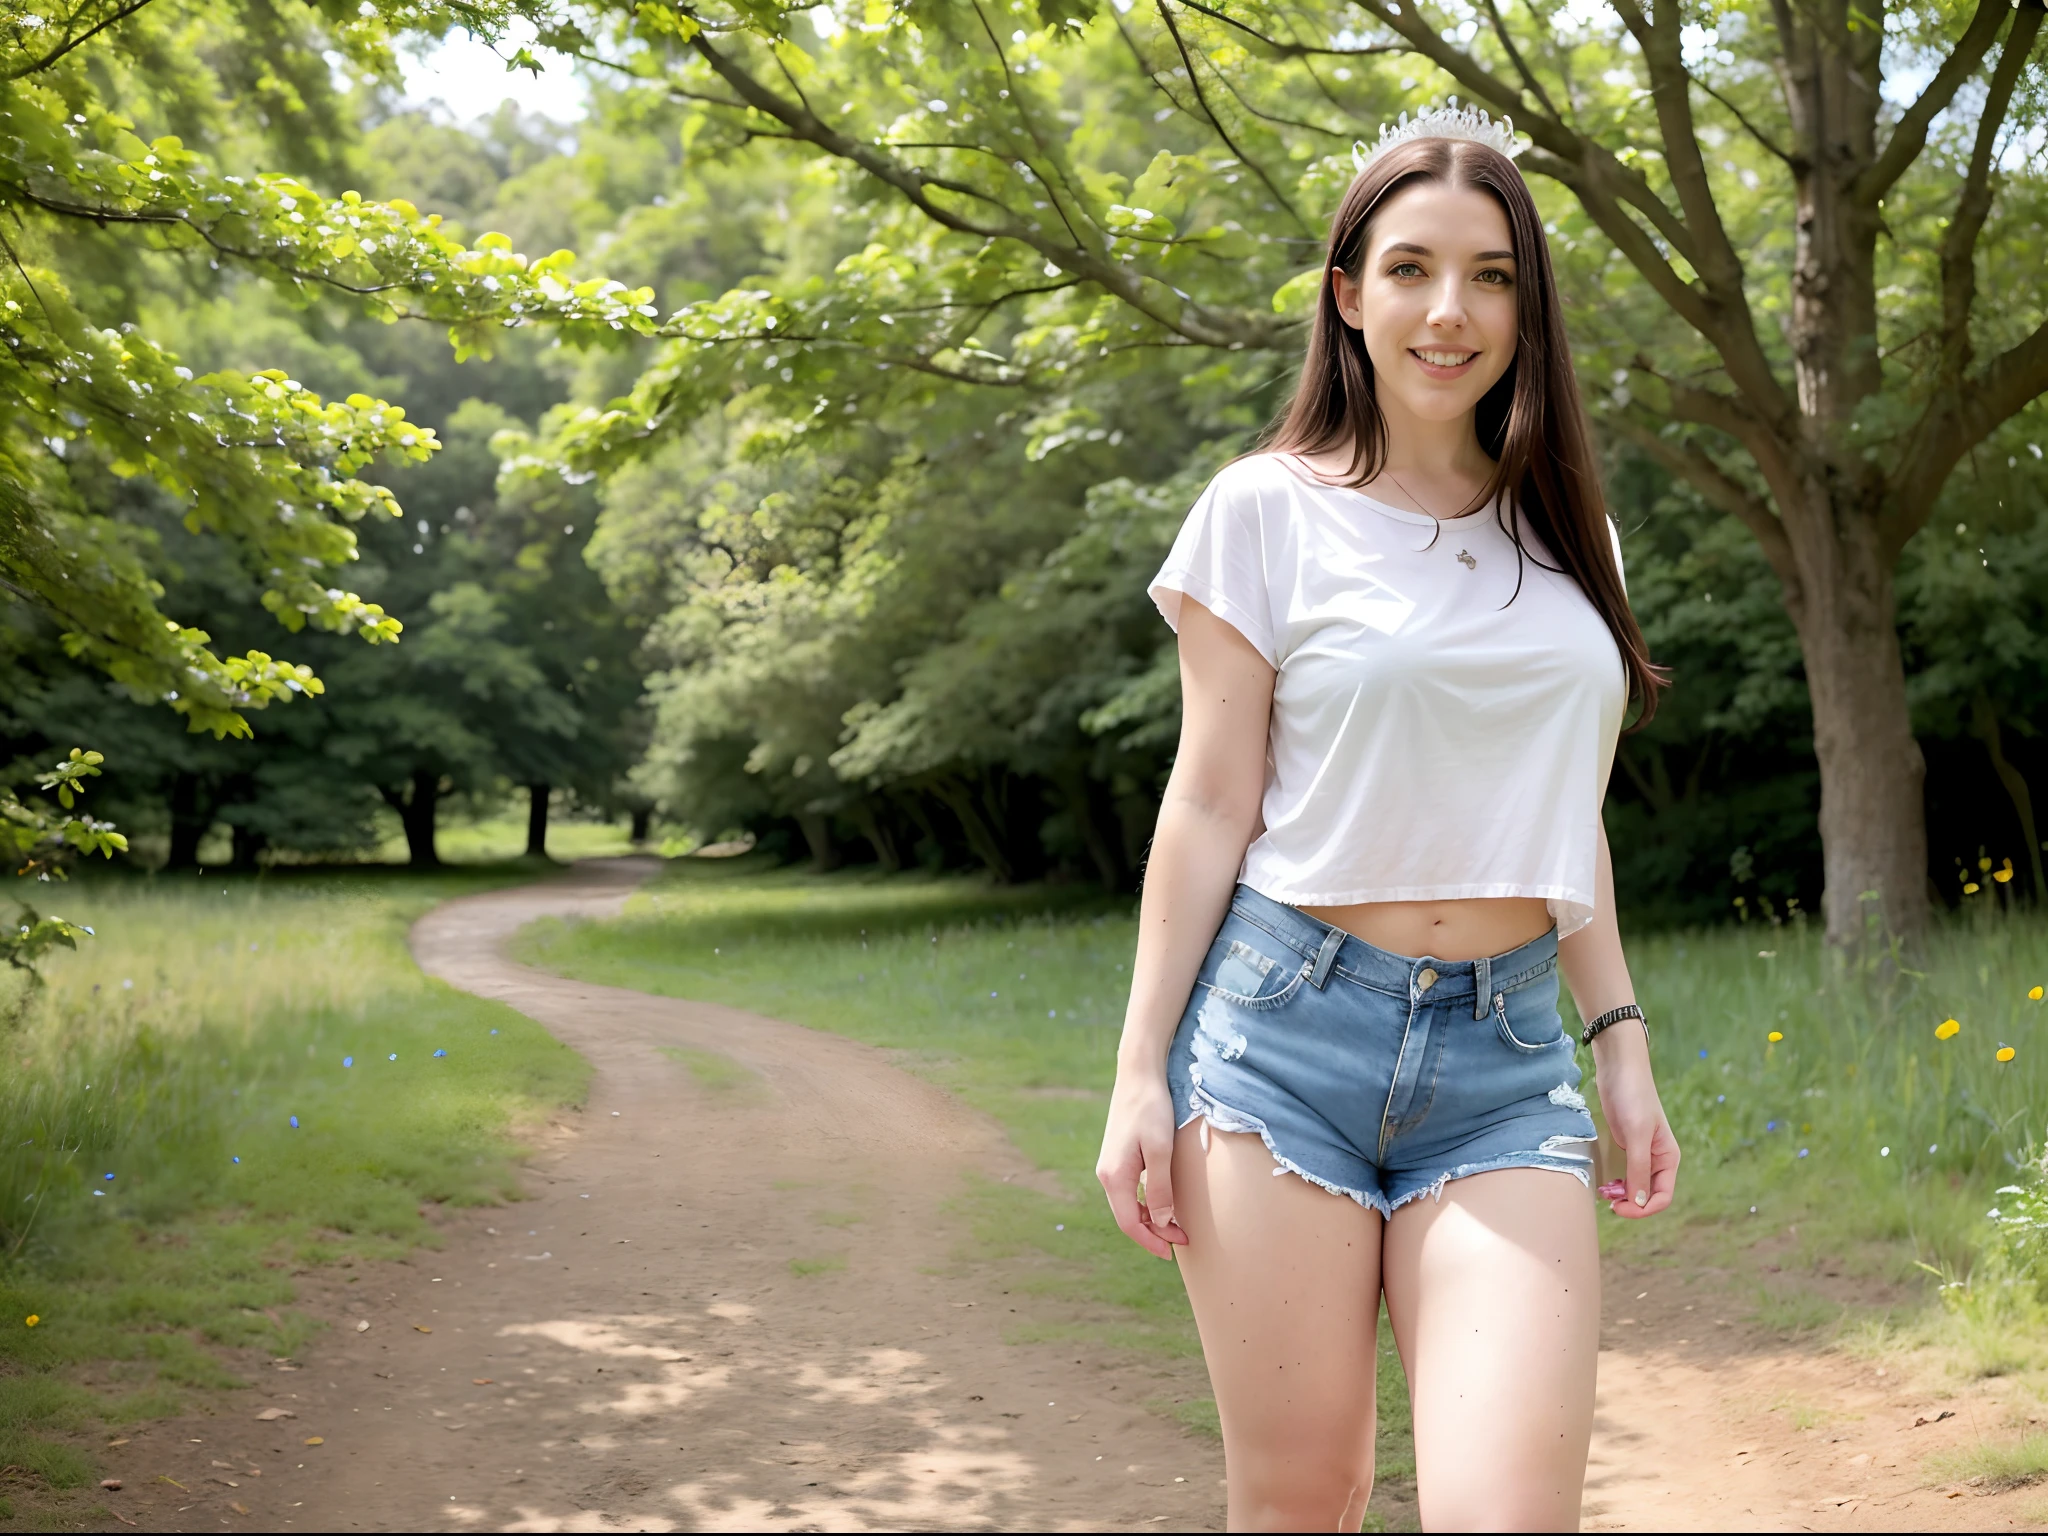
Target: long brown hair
{"type": "Point", "coordinates": [1531, 423]}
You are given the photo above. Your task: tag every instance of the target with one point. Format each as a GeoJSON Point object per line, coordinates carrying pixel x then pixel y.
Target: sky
{"type": "Point", "coordinates": [470, 80]}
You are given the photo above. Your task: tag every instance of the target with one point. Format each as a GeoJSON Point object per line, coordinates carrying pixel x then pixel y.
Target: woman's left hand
{"type": "Point", "coordinates": [1635, 1118]}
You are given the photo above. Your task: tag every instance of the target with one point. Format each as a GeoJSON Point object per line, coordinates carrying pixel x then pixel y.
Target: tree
{"type": "Point", "coordinates": [1799, 336]}
{"type": "Point", "coordinates": [256, 461]}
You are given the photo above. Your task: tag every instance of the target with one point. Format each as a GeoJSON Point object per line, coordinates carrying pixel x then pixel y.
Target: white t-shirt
{"type": "Point", "coordinates": [1431, 739]}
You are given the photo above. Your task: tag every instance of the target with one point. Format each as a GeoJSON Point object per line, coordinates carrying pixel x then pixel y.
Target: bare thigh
{"type": "Point", "coordinates": [1285, 1282]}
{"type": "Point", "coordinates": [1494, 1293]}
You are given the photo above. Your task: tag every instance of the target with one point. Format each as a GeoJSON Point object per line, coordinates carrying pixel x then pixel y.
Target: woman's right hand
{"type": "Point", "coordinates": [1137, 1146]}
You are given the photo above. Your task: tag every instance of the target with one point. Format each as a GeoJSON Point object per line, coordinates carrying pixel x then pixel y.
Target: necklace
{"type": "Point", "coordinates": [1464, 556]}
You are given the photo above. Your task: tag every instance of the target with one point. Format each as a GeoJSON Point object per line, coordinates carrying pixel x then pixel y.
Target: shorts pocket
{"type": "Point", "coordinates": [1247, 977]}
{"type": "Point", "coordinates": [1536, 1029]}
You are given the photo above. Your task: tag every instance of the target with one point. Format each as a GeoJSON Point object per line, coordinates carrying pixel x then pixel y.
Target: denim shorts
{"type": "Point", "coordinates": [1371, 1074]}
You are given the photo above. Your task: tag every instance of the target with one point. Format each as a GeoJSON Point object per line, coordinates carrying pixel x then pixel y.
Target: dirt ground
{"type": "Point", "coordinates": [741, 1306]}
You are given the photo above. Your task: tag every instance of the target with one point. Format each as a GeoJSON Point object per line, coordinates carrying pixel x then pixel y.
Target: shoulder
{"type": "Point", "coordinates": [1258, 490]}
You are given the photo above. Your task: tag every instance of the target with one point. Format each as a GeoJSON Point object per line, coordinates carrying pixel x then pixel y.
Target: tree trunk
{"type": "Point", "coordinates": [1873, 815]}
{"type": "Point", "coordinates": [189, 822]}
{"type": "Point", "coordinates": [537, 821]}
{"type": "Point", "coordinates": [817, 830]}
{"type": "Point", "coordinates": [982, 837]}
{"type": "Point", "coordinates": [248, 843]}
{"type": "Point", "coordinates": [1079, 791]}
{"type": "Point", "coordinates": [416, 813]}
{"type": "Point", "coordinates": [878, 835]}
{"type": "Point", "coordinates": [643, 823]}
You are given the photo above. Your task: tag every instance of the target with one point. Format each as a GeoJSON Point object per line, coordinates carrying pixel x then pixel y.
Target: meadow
{"type": "Point", "coordinates": [1834, 1124]}
{"type": "Point", "coordinates": [235, 1080]}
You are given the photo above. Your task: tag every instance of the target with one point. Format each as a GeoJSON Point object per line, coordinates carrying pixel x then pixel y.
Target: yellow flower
{"type": "Point", "coordinates": [31, 1320]}
{"type": "Point", "coordinates": [1970, 887]}
{"type": "Point", "coordinates": [1984, 863]}
{"type": "Point", "coordinates": [2006, 1053]}
{"type": "Point", "coordinates": [1947, 1029]}
{"type": "Point", "coordinates": [1774, 1037]}
{"type": "Point", "coordinates": [2034, 993]}
{"type": "Point", "coordinates": [2001, 875]}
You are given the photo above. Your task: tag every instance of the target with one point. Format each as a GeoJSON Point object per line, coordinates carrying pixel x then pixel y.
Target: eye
{"type": "Point", "coordinates": [1494, 277]}
{"type": "Point", "coordinates": [1404, 269]}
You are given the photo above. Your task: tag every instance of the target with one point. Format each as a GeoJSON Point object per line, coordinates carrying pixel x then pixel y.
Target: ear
{"type": "Point", "coordinates": [1348, 291]}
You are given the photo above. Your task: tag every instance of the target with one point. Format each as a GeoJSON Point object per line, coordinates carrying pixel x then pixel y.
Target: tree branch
{"type": "Point", "coordinates": [1199, 323]}
{"type": "Point", "coordinates": [1910, 136]}
{"type": "Point", "coordinates": [120, 14]}
{"type": "Point", "coordinates": [1692, 464]}
{"type": "Point", "coordinates": [1956, 422]}
{"type": "Point", "coordinates": [1223, 133]}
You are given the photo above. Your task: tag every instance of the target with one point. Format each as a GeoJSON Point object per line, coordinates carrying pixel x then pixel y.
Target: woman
{"type": "Point", "coordinates": [1406, 653]}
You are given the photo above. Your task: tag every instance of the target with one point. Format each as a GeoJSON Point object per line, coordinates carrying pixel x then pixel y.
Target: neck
{"type": "Point", "coordinates": [1433, 450]}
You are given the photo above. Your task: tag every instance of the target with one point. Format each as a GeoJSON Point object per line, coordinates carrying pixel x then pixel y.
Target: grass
{"type": "Point", "coordinates": [156, 1198]}
{"type": "Point", "coordinates": [1997, 1466]}
{"type": "Point", "coordinates": [1828, 1168]}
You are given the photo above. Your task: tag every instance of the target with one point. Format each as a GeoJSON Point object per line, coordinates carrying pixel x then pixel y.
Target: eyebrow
{"type": "Point", "coordinates": [1423, 250]}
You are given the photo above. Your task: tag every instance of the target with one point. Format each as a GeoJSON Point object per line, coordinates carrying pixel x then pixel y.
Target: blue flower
{"type": "Point", "coordinates": [392, 1057]}
{"type": "Point", "coordinates": [1802, 1151]}
{"type": "Point", "coordinates": [494, 1031]}
{"type": "Point", "coordinates": [1703, 1053]}
{"type": "Point", "coordinates": [1720, 1098]}
{"type": "Point", "coordinates": [295, 1122]}
{"type": "Point", "coordinates": [440, 1053]}
{"type": "Point", "coordinates": [1770, 1125]}
{"type": "Point", "coordinates": [348, 1061]}
{"type": "Point", "coordinates": [108, 1177]}
{"type": "Point", "coordinates": [234, 1159]}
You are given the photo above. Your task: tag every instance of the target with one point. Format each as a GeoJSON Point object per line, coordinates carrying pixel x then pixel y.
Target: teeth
{"type": "Point", "coordinates": [1445, 359]}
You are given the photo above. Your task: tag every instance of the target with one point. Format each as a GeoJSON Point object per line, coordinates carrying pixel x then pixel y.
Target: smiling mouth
{"type": "Point", "coordinates": [1437, 359]}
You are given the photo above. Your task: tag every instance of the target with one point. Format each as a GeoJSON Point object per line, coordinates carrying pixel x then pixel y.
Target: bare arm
{"type": "Point", "coordinates": [1597, 973]}
{"type": "Point", "coordinates": [1207, 819]}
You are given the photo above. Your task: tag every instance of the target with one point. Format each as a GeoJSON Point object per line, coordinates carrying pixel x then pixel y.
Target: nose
{"type": "Point", "coordinates": [1447, 305]}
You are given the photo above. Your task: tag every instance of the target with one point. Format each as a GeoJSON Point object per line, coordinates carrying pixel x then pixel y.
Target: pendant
{"type": "Point", "coordinates": [1465, 559]}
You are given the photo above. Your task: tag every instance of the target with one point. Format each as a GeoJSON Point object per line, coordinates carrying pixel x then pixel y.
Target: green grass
{"type": "Point", "coordinates": [171, 1053]}
{"type": "Point", "coordinates": [1998, 1465]}
{"type": "Point", "coordinates": [1012, 998]}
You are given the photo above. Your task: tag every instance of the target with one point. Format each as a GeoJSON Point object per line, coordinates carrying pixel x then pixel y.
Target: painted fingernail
{"type": "Point", "coordinates": [1642, 1197]}
{"type": "Point", "coordinates": [1614, 1191]}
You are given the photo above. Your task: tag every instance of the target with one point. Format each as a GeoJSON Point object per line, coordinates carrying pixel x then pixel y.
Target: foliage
{"type": "Point", "coordinates": [253, 459]}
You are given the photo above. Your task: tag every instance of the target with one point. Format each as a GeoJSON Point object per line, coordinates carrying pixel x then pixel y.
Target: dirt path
{"type": "Point", "coordinates": [735, 1302]}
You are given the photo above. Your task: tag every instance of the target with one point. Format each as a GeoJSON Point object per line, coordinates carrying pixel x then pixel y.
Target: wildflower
{"type": "Point", "coordinates": [295, 1122]}
{"type": "Point", "coordinates": [1947, 1029]}
{"type": "Point", "coordinates": [1770, 1125]}
{"type": "Point", "coordinates": [1703, 1053]}
{"type": "Point", "coordinates": [1931, 1147]}
{"type": "Point", "coordinates": [1802, 1151]}
{"type": "Point", "coordinates": [1775, 1036]}
{"type": "Point", "coordinates": [1984, 863]}
{"type": "Point", "coordinates": [1884, 1151]}
{"type": "Point", "coordinates": [31, 1320]}
{"type": "Point", "coordinates": [2034, 993]}
{"type": "Point", "coordinates": [2003, 873]}
{"type": "Point", "coordinates": [392, 1057]}
{"type": "Point", "coordinates": [440, 1053]}
{"type": "Point", "coordinates": [348, 1061]}
{"type": "Point", "coordinates": [1970, 887]}
{"type": "Point", "coordinates": [2006, 1053]}
{"type": "Point", "coordinates": [234, 1159]}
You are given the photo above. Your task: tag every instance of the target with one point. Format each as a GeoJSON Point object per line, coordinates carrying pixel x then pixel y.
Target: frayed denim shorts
{"type": "Point", "coordinates": [1373, 1075]}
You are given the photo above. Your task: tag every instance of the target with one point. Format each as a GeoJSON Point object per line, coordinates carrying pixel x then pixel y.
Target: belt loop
{"type": "Point", "coordinates": [1326, 958]}
{"type": "Point", "coordinates": [1482, 987]}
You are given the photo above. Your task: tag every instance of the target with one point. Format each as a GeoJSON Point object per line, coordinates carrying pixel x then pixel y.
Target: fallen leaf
{"type": "Point", "coordinates": [421, 1328]}
{"type": "Point", "coordinates": [363, 1325]}
{"type": "Point", "coordinates": [112, 1443]}
{"type": "Point", "coordinates": [172, 1481]}
{"type": "Point", "coordinates": [315, 1440]}
{"type": "Point", "coordinates": [225, 1466]}
{"type": "Point", "coordinates": [480, 1381]}
{"type": "Point", "coordinates": [268, 1414]}
{"type": "Point", "coordinates": [110, 1483]}
{"type": "Point", "coordinates": [229, 1481]}
{"type": "Point", "coordinates": [238, 1507]}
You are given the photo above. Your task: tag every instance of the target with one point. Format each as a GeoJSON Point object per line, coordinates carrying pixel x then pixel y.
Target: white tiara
{"type": "Point", "coordinates": [1449, 121]}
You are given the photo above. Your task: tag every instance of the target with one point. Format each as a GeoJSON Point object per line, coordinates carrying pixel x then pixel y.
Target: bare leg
{"type": "Point", "coordinates": [1495, 1299]}
{"type": "Point", "coordinates": [1285, 1282]}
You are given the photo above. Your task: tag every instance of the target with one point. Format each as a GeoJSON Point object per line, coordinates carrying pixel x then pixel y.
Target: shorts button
{"type": "Point", "coordinates": [1425, 979]}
